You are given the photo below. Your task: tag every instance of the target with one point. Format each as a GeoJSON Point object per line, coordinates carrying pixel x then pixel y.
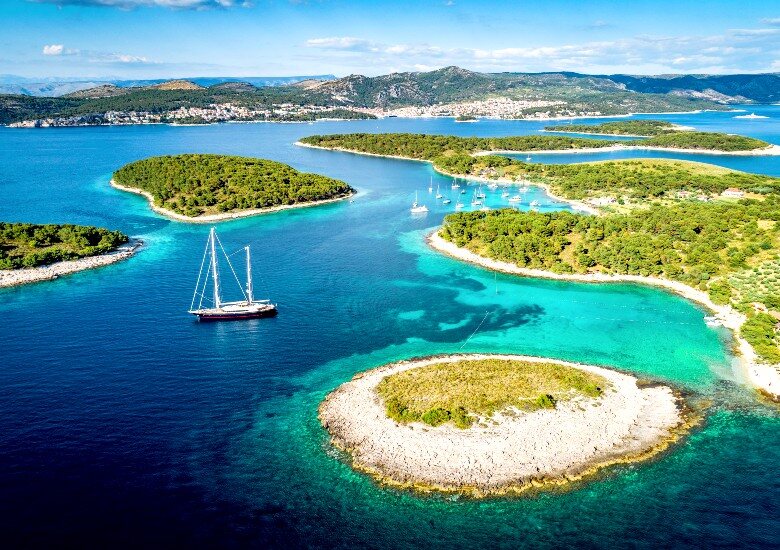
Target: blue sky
{"type": "Point", "coordinates": [174, 38]}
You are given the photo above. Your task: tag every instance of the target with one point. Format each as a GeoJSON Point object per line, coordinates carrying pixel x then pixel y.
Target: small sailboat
{"type": "Point", "coordinates": [418, 208]}
{"type": "Point", "coordinates": [459, 205]}
{"type": "Point", "coordinates": [524, 189]}
{"type": "Point", "coordinates": [475, 201]}
{"type": "Point", "coordinates": [505, 194]}
{"type": "Point", "coordinates": [430, 186]}
{"type": "Point", "coordinates": [516, 198]}
{"type": "Point", "coordinates": [493, 186]}
{"type": "Point", "coordinates": [528, 158]}
{"type": "Point", "coordinates": [438, 193]}
{"type": "Point", "coordinates": [462, 191]}
{"type": "Point", "coordinates": [248, 308]}
{"type": "Point", "coordinates": [480, 194]}
{"type": "Point", "coordinates": [455, 184]}
{"type": "Point", "coordinates": [446, 201]}
{"type": "Point", "coordinates": [534, 203]}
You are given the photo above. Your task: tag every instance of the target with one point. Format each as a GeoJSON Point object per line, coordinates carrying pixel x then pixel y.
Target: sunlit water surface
{"type": "Point", "coordinates": [126, 422]}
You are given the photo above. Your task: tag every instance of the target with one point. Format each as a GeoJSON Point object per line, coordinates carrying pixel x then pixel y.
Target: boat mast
{"type": "Point", "coordinates": [249, 295]}
{"type": "Point", "coordinates": [213, 238]}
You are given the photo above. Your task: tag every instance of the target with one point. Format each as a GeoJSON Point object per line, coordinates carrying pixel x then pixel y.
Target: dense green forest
{"type": "Point", "coordinates": [632, 180]}
{"type": "Point", "coordinates": [429, 147]}
{"type": "Point", "coordinates": [705, 140]}
{"type": "Point", "coordinates": [30, 245]}
{"type": "Point", "coordinates": [619, 128]}
{"type": "Point", "coordinates": [698, 243]}
{"type": "Point", "coordinates": [196, 185]}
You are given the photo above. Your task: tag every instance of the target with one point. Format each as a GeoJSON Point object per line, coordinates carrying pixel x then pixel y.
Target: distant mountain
{"type": "Point", "coordinates": [55, 87]}
{"type": "Point", "coordinates": [449, 91]}
{"type": "Point", "coordinates": [761, 88]}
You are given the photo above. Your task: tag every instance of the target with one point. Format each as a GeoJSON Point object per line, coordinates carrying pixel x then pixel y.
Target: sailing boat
{"type": "Point", "coordinates": [480, 194]}
{"type": "Point", "coordinates": [430, 186]}
{"type": "Point", "coordinates": [438, 193]}
{"type": "Point", "coordinates": [455, 184]}
{"type": "Point", "coordinates": [248, 308]}
{"type": "Point", "coordinates": [475, 201]}
{"type": "Point", "coordinates": [418, 208]}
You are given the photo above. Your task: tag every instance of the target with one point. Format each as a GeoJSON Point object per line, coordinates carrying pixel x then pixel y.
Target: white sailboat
{"type": "Point", "coordinates": [475, 201]}
{"type": "Point", "coordinates": [480, 194]}
{"type": "Point", "coordinates": [430, 186]}
{"type": "Point", "coordinates": [248, 308]}
{"type": "Point", "coordinates": [459, 205]}
{"type": "Point", "coordinates": [418, 208]}
{"type": "Point", "coordinates": [438, 193]}
{"type": "Point", "coordinates": [455, 184]}
{"type": "Point", "coordinates": [516, 198]}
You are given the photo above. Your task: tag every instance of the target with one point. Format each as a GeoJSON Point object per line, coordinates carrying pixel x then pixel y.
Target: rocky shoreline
{"type": "Point", "coordinates": [763, 376]}
{"type": "Point", "coordinates": [15, 277]}
{"type": "Point", "coordinates": [513, 450]}
{"type": "Point", "coordinates": [220, 217]}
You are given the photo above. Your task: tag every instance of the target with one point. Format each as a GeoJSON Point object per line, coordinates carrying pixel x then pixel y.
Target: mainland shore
{"type": "Point", "coordinates": [15, 277]}
{"type": "Point", "coordinates": [224, 216]}
{"type": "Point", "coordinates": [763, 376]}
{"type": "Point", "coordinates": [511, 451]}
{"type": "Point", "coordinates": [771, 151]}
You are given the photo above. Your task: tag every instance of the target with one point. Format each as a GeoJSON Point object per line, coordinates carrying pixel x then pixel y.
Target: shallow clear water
{"type": "Point", "coordinates": [126, 422]}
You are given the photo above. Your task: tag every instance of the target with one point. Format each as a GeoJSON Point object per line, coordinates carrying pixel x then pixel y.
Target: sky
{"type": "Point", "coordinates": [137, 39]}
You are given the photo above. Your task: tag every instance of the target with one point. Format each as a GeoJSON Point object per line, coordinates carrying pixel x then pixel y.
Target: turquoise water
{"type": "Point", "coordinates": [125, 422]}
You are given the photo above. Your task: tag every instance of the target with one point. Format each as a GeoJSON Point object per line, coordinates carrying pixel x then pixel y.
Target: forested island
{"type": "Point", "coordinates": [197, 187]}
{"type": "Point", "coordinates": [31, 245]}
{"type": "Point", "coordinates": [31, 252]}
{"type": "Point", "coordinates": [420, 424]}
{"type": "Point", "coordinates": [644, 128]}
{"type": "Point", "coordinates": [433, 147]}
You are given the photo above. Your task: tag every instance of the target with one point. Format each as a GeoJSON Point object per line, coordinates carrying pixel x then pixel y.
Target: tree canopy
{"type": "Point", "coordinates": [30, 245]}
{"type": "Point", "coordinates": [197, 185]}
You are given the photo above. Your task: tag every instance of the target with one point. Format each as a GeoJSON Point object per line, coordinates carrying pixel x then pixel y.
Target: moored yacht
{"type": "Point", "coordinates": [248, 308]}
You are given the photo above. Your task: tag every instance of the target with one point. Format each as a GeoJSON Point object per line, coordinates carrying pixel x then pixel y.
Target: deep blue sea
{"type": "Point", "coordinates": [124, 422]}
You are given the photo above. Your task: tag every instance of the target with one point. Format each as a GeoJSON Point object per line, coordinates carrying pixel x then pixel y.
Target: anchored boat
{"type": "Point", "coordinates": [249, 308]}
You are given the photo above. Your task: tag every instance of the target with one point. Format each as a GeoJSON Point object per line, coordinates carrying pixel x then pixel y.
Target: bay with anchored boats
{"type": "Point", "coordinates": [123, 414]}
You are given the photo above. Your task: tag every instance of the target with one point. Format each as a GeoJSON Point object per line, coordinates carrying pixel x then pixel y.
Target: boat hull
{"type": "Point", "coordinates": [210, 316]}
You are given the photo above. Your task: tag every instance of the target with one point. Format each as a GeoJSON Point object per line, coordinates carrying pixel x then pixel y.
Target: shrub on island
{"type": "Point", "coordinates": [463, 392]}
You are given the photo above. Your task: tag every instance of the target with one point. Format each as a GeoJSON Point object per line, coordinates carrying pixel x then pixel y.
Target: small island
{"type": "Point", "coordinates": [40, 252]}
{"type": "Point", "coordinates": [629, 128]}
{"type": "Point", "coordinates": [209, 188]}
{"type": "Point", "coordinates": [466, 118]}
{"type": "Point", "coordinates": [533, 422]}
{"type": "Point", "coordinates": [428, 146]}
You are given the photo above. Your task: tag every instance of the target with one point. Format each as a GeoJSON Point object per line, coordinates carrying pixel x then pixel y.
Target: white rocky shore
{"type": "Point", "coordinates": [512, 451]}
{"type": "Point", "coordinates": [14, 277]}
{"type": "Point", "coordinates": [211, 218]}
{"type": "Point", "coordinates": [763, 376]}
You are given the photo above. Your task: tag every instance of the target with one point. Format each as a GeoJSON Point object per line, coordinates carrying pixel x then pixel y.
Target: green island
{"type": "Point", "coordinates": [466, 118]}
{"type": "Point", "coordinates": [665, 134]}
{"type": "Point", "coordinates": [447, 391]}
{"type": "Point", "coordinates": [645, 128]}
{"type": "Point", "coordinates": [711, 228]}
{"type": "Point", "coordinates": [24, 245]}
{"type": "Point", "coordinates": [431, 147]}
{"type": "Point", "coordinates": [195, 185]}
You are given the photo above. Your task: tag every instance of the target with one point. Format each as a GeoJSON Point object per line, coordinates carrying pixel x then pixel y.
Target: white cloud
{"type": "Point", "coordinates": [58, 50]}
{"type": "Point", "coordinates": [53, 49]}
{"type": "Point", "coordinates": [130, 4]}
{"type": "Point", "coordinates": [771, 21]}
{"type": "Point", "coordinates": [736, 50]}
